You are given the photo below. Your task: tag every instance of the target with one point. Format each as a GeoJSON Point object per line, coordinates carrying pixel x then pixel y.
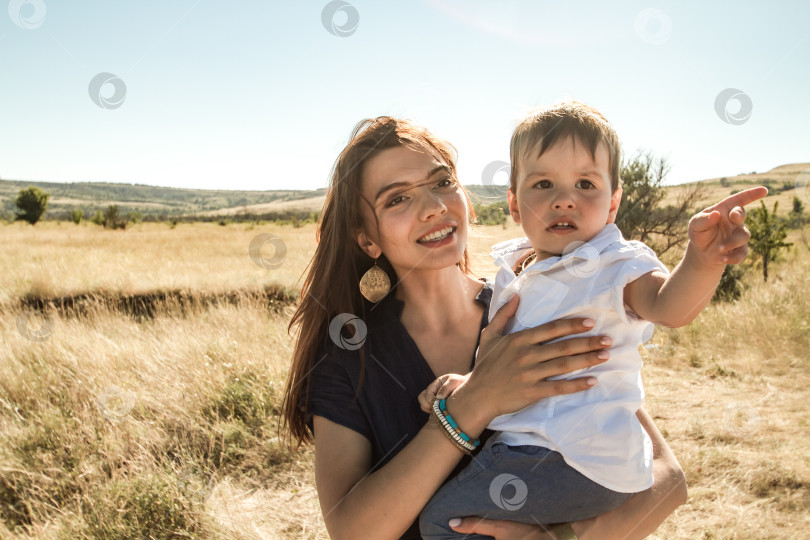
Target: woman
{"type": "Point", "coordinates": [394, 204]}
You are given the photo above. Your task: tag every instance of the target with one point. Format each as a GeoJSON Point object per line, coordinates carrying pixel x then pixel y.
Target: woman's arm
{"type": "Point", "coordinates": [645, 511]}
{"type": "Point", "coordinates": [357, 504]}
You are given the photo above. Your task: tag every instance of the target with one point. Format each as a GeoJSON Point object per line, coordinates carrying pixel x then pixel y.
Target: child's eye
{"type": "Point", "coordinates": [543, 184]}
{"type": "Point", "coordinates": [585, 184]}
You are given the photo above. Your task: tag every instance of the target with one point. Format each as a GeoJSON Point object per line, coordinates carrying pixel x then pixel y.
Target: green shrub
{"type": "Point", "coordinates": [32, 203]}
{"type": "Point", "coordinates": [796, 219]}
{"type": "Point", "coordinates": [731, 285]}
{"type": "Point", "coordinates": [492, 214]}
{"type": "Point", "coordinates": [134, 217]}
{"type": "Point", "coordinates": [112, 219]}
{"type": "Point", "coordinates": [77, 216]}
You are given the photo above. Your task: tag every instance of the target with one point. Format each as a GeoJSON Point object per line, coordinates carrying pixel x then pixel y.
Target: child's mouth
{"type": "Point", "coordinates": [563, 226]}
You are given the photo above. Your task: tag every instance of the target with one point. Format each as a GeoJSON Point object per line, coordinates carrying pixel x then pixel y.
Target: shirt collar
{"type": "Point", "coordinates": [507, 254]}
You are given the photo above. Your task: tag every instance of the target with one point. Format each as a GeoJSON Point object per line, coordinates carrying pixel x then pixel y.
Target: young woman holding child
{"type": "Point", "coordinates": [395, 209]}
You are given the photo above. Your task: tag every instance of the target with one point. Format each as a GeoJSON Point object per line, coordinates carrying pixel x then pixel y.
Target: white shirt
{"type": "Point", "coordinates": [596, 430]}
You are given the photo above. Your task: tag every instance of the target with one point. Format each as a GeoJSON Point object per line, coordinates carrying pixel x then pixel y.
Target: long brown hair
{"type": "Point", "coordinates": [332, 276]}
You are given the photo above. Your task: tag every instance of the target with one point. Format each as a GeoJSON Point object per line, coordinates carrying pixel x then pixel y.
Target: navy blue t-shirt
{"type": "Point", "coordinates": [386, 410]}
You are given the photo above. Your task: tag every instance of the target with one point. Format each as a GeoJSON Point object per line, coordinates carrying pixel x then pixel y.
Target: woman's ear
{"type": "Point", "coordinates": [615, 199]}
{"type": "Point", "coordinates": [513, 207]}
{"type": "Point", "coordinates": [368, 245]}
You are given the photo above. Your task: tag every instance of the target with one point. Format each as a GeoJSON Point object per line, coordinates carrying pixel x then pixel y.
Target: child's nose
{"type": "Point", "coordinates": [564, 202]}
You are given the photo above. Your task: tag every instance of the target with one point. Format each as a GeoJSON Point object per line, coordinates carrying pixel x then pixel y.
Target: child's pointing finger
{"type": "Point", "coordinates": [741, 199]}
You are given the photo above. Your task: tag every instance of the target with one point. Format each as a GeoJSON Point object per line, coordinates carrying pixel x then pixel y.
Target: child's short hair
{"type": "Point", "coordinates": [566, 119]}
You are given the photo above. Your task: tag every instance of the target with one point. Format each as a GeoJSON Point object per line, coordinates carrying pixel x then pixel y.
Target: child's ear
{"type": "Point", "coordinates": [513, 207]}
{"type": "Point", "coordinates": [615, 199]}
{"type": "Point", "coordinates": [368, 245]}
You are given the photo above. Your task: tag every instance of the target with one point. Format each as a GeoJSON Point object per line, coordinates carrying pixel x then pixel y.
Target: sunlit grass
{"type": "Point", "coordinates": [121, 427]}
{"type": "Point", "coordinates": [58, 258]}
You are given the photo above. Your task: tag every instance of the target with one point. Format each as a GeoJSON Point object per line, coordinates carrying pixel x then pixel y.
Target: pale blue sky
{"type": "Point", "coordinates": [259, 95]}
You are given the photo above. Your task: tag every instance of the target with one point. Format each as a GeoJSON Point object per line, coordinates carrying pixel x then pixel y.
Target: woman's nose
{"type": "Point", "coordinates": [432, 205]}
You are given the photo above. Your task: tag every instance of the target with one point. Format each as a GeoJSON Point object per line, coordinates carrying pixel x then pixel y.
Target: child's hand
{"type": "Point", "coordinates": [441, 387]}
{"type": "Point", "coordinates": [719, 232]}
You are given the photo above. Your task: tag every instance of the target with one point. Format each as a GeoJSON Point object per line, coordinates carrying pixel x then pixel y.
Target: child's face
{"type": "Point", "coordinates": [563, 196]}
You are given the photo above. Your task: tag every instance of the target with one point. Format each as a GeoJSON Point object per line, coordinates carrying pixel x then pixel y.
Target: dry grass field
{"type": "Point", "coordinates": [117, 426]}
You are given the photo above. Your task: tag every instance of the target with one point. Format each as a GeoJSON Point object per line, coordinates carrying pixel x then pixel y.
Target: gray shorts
{"type": "Point", "coordinates": [528, 484]}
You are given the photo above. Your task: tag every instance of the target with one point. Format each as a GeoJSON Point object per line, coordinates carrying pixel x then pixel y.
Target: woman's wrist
{"type": "Point", "coordinates": [468, 410]}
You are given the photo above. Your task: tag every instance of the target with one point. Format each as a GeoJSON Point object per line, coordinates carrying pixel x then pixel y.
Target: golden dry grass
{"type": "Point", "coordinates": [109, 417]}
{"type": "Point", "coordinates": [58, 258]}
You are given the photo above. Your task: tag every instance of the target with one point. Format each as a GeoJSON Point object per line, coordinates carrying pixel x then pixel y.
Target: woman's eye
{"type": "Point", "coordinates": [395, 201]}
{"type": "Point", "coordinates": [446, 183]}
{"type": "Point", "coordinates": [543, 184]}
{"type": "Point", "coordinates": [585, 184]}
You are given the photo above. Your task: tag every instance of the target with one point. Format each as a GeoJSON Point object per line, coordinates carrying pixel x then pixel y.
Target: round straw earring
{"type": "Point", "coordinates": [375, 284]}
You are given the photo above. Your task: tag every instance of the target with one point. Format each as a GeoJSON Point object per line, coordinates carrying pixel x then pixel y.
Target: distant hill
{"type": "Point", "coordinates": [783, 182]}
{"type": "Point", "coordinates": [155, 202]}
{"type": "Point", "coordinates": [148, 200]}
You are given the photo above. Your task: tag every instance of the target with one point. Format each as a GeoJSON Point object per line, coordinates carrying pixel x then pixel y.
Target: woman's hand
{"type": "Point", "coordinates": [511, 371]}
{"type": "Point", "coordinates": [502, 529]}
{"type": "Point", "coordinates": [441, 388]}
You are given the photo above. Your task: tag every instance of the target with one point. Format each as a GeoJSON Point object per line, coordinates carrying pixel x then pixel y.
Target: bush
{"type": "Point", "coordinates": [641, 216]}
{"type": "Point", "coordinates": [491, 214]}
{"type": "Point", "coordinates": [76, 216]}
{"type": "Point", "coordinates": [112, 220]}
{"type": "Point", "coordinates": [98, 218]}
{"type": "Point", "coordinates": [32, 203]}
{"type": "Point", "coordinates": [731, 285]}
{"type": "Point", "coordinates": [796, 219]}
{"type": "Point", "coordinates": [134, 217]}
{"type": "Point", "coordinates": [767, 235]}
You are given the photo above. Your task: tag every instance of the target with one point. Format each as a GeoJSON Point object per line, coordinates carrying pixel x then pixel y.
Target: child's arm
{"type": "Point", "coordinates": [717, 237]}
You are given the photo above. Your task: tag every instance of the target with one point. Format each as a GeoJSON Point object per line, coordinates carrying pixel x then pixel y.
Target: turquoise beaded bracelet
{"type": "Point", "coordinates": [451, 426]}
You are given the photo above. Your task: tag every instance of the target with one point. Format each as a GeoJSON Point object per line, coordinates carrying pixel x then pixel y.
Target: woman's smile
{"type": "Point", "coordinates": [437, 236]}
